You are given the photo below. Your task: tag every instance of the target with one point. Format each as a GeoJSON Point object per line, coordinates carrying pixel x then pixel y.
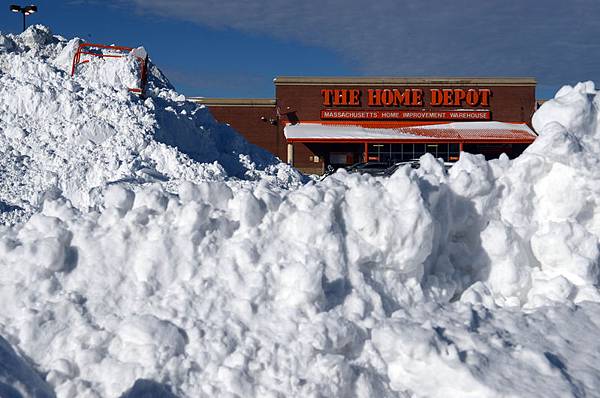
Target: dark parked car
{"type": "Point", "coordinates": [373, 168]}
{"type": "Point", "coordinates": [379, 168]}
{"type": "Point", "coordinates": [412, 163]}
{"type": "Point", "coordinates": [415, 164]}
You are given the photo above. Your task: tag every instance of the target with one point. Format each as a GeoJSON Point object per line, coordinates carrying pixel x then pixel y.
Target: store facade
{"type": "Point", "coordinates": [316, 122]}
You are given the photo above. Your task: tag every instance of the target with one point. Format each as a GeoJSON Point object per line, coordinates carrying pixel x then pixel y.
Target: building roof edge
{"type": "Point", "coordinates": [233, 101]}
{"type": "Point", "coordinates": [426, 81]}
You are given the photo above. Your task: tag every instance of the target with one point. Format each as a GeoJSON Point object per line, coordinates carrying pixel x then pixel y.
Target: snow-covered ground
{"type": "Point", "coordinates": [148, 249]}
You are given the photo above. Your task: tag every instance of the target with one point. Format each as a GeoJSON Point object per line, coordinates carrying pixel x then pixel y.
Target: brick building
{"type": "Point", "coordinates": [314, 122]}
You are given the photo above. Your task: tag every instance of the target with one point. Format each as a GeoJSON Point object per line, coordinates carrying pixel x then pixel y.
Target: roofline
{"type": "Point", "coordinates": [422, 81]}
{"type": "Point", "coordinates": [233, 101]}
{"type": "Point", "coordinates": [447, 140]}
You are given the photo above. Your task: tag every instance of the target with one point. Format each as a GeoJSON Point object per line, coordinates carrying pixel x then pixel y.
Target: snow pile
{"type": "Point", "coordinates": [542, 211]}
{"type": "Point", "coordinates": [75, 135]}
{"type": "Point", "coordinates": [479, 282]}
{"type": "Point", "coordinates": [253, 292]}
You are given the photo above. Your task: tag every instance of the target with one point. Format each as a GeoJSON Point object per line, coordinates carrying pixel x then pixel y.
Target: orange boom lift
{"type": "Point", "coordinates": [104, 51]}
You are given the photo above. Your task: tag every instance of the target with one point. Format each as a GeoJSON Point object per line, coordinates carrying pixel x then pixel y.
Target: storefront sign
{"type": "Point", "coordinates": [335, 114]}
{"type": "Point", "coordinates": [394, 97]}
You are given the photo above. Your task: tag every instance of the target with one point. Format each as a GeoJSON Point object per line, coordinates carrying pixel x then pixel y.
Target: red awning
{"type": "Point", "coordinates": [466, 132]}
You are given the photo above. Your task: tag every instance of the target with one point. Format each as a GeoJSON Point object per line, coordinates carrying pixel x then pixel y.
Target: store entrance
{"type": "Point", "coordinates": [393, 153]}
{"type": "Point", "coordinates": [342, 155]}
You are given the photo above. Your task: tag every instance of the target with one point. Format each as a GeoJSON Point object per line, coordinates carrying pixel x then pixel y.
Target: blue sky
{"type": "Point", "coordinates": [234, 48]}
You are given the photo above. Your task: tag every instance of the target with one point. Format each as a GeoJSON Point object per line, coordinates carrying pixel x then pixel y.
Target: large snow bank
{"type": "Point", "coordinates": [479, 282]}
{"type": "Point", "coordinates": [73, 135]}
{"type": "Point", "coordinates": [214, 292]}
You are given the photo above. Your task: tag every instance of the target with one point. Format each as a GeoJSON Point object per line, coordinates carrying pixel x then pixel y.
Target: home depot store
{"type": "Point", "coordinates": [316, 122]}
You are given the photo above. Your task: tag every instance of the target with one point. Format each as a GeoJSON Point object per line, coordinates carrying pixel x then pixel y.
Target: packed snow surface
{"type": "Point", "coordinates": [218, 272]}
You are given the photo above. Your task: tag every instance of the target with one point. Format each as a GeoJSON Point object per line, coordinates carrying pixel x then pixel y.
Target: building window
{"type": "Point", "coordinates": [393, 153]}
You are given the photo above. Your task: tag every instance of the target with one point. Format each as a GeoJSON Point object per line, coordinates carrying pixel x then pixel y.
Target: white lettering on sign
{"type": "Point", "coordinates": [404, 115]}
{"type": "Point", "coordinates": [469, 115]}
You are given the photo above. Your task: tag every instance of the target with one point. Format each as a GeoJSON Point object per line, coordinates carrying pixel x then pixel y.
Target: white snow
{"type": "Point", "coordinates": [161, 254]}
{"type": "Point", "coordinates": [76, 135]}
{"type": "Point", "coordinates": [499, 130]}
{"type": "Point", "coordinates": [301, 131]}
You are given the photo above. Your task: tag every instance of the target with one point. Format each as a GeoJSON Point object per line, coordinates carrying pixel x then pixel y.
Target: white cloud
{"type": "Point", "coordinates": [553, 40]}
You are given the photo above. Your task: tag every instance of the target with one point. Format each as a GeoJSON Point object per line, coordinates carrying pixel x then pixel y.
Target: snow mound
{"type": "Point", "coordinates": [256, 292]}
{"type": "Point", "coordinates": [75, 135]}
{"type": "Point", "coordinates": [145, 271]}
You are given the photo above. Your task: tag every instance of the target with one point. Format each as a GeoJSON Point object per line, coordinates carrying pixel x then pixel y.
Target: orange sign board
{"type": "Point", "coordinates": [407, 97]}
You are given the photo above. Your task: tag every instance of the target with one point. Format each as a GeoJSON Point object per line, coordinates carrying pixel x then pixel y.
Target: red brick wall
{"type": "Point", "coordinates": [247, 120]}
